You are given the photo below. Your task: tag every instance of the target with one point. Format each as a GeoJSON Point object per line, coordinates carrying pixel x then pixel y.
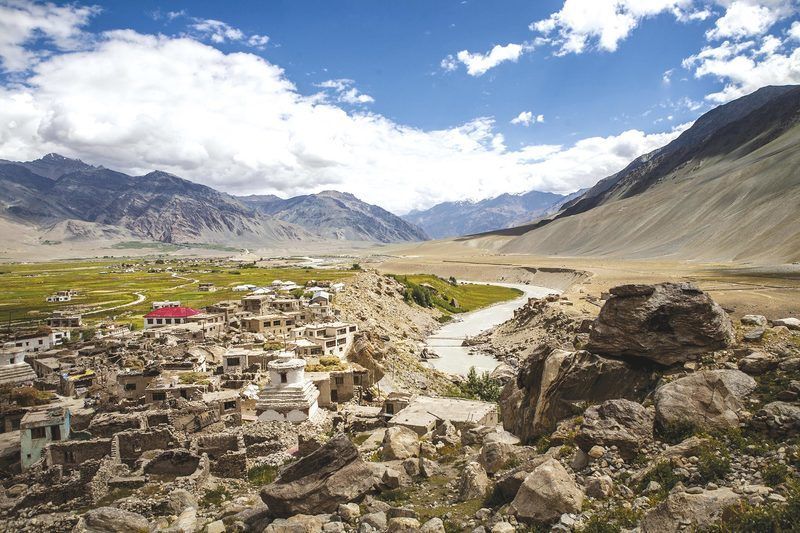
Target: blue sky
{"type": "Point", "coordinates": [367, 96]}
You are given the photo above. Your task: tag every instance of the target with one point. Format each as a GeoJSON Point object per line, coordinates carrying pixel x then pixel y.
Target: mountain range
{"type": "Point", "coordinates": [70, 200]}
{"type": "Point", "coordinates": [728, 188]}
{"type": "Point", "coordinates": [451, 219]}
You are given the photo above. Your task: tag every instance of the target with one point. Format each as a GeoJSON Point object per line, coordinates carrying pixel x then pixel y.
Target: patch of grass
{"type": "Point", "coordinates": [542, 444]}
{"type": "Point", "coordinates": [360, 439]}
{"type": "Point", "coordinates": [432, 291]}
{"type": "Point", "coordinates": [744, 517]}
{"type": "Point", "coordinates": [611, 520]}
{"type": "Point", "coordinates": [676, 432]}
{"type": "Point", "coordinates": [194, 378]}
{"type": "Point", "coordinates": [215, 497]}
{"type": "Point", "coordinates": [29, 396]}
{"type": "Point", "coordinates": [262, 474]}
{"type": "Point", "coordinates": [714, 461]}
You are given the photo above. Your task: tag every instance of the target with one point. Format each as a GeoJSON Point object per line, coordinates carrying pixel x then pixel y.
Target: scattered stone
{"type": "Point", "coordinates": [790, 323]}
{"type": "Point", "coordinates": [403, 524]}
{"type": "Point", "coordinates": [666, 323]}
{"type": "Point", "coordinates": [434, 525]}
{"type": "Point", "coordinates": [754, 320]}
{"type": "Point", "coordinates": [349, 512]}
{"type": "Point", "coordinates": [600, 487]}
{"type": "Point", "coordinates": [596, 452]}
{"type": "Point", "coordinates": [779, 419]}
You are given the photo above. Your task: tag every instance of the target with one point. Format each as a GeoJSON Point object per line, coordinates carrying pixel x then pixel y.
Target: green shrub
{"type": "Point", "coordinates": [262, 474]}
{"type": "Point", "coordinates": [480, 387]}
{"type": "Point", "coordinates": [676, 432]}
{"type": "Point", "coordinates": [775, 474]}
{"type": "Point", "coordinates": [661, 473]}
{"type": "Point", "coordinates": [610, 520]}
{"type": "Point", "coordinates": [714, 461]}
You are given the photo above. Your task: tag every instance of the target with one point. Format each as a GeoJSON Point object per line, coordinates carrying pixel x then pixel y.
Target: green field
{"type": "Point", "coordinates": [104, 284]}
{"type": "Point", "coordinates": [469, 297]}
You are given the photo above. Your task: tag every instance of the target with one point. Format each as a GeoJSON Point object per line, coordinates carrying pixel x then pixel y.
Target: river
{"type": "Point", "coordinates": [456, 359]}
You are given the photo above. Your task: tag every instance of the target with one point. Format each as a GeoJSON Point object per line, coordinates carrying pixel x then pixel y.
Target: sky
{"type": "Point", "coordinates": [404, 104]}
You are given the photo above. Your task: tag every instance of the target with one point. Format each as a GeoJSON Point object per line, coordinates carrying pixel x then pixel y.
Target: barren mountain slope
{"type": "Point", "coordinates": [720, 207]}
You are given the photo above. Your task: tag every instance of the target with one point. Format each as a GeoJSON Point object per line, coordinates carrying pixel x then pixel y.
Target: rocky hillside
{"type": "Point", "coordinates": [337, 215]}
{"type": "Point", "coordinates": [452, 219]}
{"type": "Point", "coordinates": [726, 189]}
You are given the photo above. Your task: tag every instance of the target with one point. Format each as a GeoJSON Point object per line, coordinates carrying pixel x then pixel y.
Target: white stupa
{"type": "Point", "coordinates": [289, 396]}
{"type": "Point", "coordinates": [13, 368]}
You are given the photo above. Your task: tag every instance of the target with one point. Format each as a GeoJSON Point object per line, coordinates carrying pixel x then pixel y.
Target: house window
{"type": "Point", "coordinates": [284, 378]}
{"type": "Point", "coordinates": [37, 433]}
{"type": "Point", "coordinates": [55, 432]}
{"type": "Point", "coordinates": [334, 395]}
{"type": "Point", "coordinates": [149, 320]}
{"type": "Point", "coordinates": [159, 396]}
{"type": "Point", "coordinates": [389, 408]}
{"type": "Point", "coordinates": [229, 405]}
{"type": "Point", "coordinates": [356, 380]}
{"type": "Point", "coordinates": [233, 361]}
{"type": "Point", "coordinates": [339, 380]}
{"type": "Point", "coordinates": [69, 456]}
{"type": "Point", "coordinates": [130, 386]}
{"type": "Point", "coordinates": [159, 321]}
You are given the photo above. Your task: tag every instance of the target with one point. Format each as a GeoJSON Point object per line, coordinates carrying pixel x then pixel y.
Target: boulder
{"type": "Point", "coordinates": [711, 399]}
{"type": "Point", "coordinates": [319, 482]}
{"type": "Point", "coordinates": [112, 520]}
{"type": "Point", "coordinates": [434, 525]}
{"type": "Point", "coordinates": [377, 520]}
{"type": "Point", "coordinates": [779, 419]}
{"type": "Point", "coordinates": [622, 423]}
{"type": "Point", "coordinates": [301, 523]}
{"type": "Point", "coordinates": [758, 363]}
{"type": "Point", "coordinates": [547, 493]}
{"type": "Point", "coordinates": [553, 384]}
{"type": "Point", "coordinates": [349, 512]}
{"type": "Point", "coordinates": [666, 323]}
{"type": "Point", "coordinates": [399, 442]}
{"type": "Point", "coordinates": [790, 323]}
{"type": "Point", "coordinates": [754, 320]}
{"type": "Point", "coordinates": [427, 467]}
{"type": "Point", "coordinates": [600, 487]}
{"type": "Point", "coordinates": [494, 455]}
{"type": "Point", "coordinates": [446, 433]}
{"type": "Point", "coordinates": [403, 525]}
{"type": "Point", "coordinates": [186, 521]}
{"type": "Point", "coordinates": [474, 483]}
{"type": "Point", "coordinates": [681, 509]}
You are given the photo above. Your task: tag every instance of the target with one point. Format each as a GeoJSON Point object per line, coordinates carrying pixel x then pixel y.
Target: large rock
{"type": "Point", "coordinates": [779, 419]}
{"type": "Point", "coordinates": [666, 323]}
{"type": "Point", "coordinates": [547, 493]}
{"type": "Point", "coordinates": [553, 383]}
{"type": "Point", "coordinates": [622, 423]}
{"type": "Point", "coordinates": [791, 323]}
{"type": "Point", "coordinates": [494, 455]}
{"type": "Point", "coordinates": [474, 483]}
{"type": "Point", "coordinates": [319, 482]}
{"type": "Point", "coordinates": [711, 399]}
{"type": "Point", "coordinates": [112, 520]}
{"type": "Point", "coordinates": [758, 363]}
{"type": "Point", "coordinates": [681, 509]}
{"type": "Point", "coordinates": [399, 442]}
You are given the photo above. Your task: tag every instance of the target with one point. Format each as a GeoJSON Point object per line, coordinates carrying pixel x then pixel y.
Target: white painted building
{"type": "Point", "coordinates": [289, 396]}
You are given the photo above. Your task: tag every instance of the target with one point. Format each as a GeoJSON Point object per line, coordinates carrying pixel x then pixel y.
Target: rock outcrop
{"type": "Point", "coordinates": [550, 387]}
{"type": "Point", "coordinates": [474, 483]}
{"type": "Point", "coordinates": [682, 509]}
{"type": "Point", "coordinates": [399, 442]}
{"type": "Point", "coordinates": [666, 323]}
{"type": "Point", "coordinates": [547, 492]}
{"type": "Point", "coordinates": [779, 419]}
{"type": "Point", "coordinates": [621, 423]}
{"type": "Point", "coordinates": [318, 483]}
{"type": "Point", "coordinates": [112, 520]}
{"type": "Point", "coordinates": [711, 399]}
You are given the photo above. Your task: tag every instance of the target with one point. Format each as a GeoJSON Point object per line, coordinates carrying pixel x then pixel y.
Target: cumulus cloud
{"type": "Point", "coordinates": [526, 118]}
{"type": "Point", "coordinates": [478, 64]}
{"type": "Point", "coordinates": [580, 24]}
{"type": "Point", "coordinates": [219, 32]}
{"type": "Point", "coordinates": [48, 25]}
{"type": "Point", "coordinates": [743, 19]}
{"type": "Point", "coordinates": [344, 91]}
{"type": "Point", "coordinates": [234, 121]}
{"type": "Point", "coordinates": [747, 66]}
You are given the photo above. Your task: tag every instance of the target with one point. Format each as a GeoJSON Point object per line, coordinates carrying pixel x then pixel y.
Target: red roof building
{"type": "Point", "coordinates": [168, 316]}
{"type": "Point", "coordinates": [172, 312]}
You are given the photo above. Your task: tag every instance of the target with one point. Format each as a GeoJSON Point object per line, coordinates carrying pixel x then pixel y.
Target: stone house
{"type": "Point", "coordinates": [39, 341]}
{"type": "Point", "coordinates": [276, 324]}
{"type": "Point", "coordinates": [76, 382]}
{"type": "Point", "coordinates": [256, 304]}
{"type": "Point", "coordinates": [38, 429]}
{"type": "Point", "coordinates": [335, 338]}
{"type": "Point", "coordinates": [65, 319]}
{"type": "Point", "coordinates": [131, 384]}
{"type": "Point", "coordinates": [340, 385]}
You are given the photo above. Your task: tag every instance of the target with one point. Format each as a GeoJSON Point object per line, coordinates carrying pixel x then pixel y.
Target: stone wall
{"type": "Point", "coordinates": [217, 444]}
{"type": "Point", "coordinates": [132, 444]}
{"type": "Point", "coordinates": [231, 464]}
{"type": "Point", "coordinates": [74, 453]}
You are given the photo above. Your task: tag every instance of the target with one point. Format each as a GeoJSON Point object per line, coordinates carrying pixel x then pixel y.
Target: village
{"type": "Point", "coordinates": [226, 392]}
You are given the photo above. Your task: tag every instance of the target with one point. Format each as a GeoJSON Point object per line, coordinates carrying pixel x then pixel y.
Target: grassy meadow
{"type": "Point", "coordinates": [108, 283]}
{"type": "Point", "coordinates": [469, 297]}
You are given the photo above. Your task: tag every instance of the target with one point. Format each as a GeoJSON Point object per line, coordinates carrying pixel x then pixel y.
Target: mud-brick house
{"type": "Point", "coordinates": [131, 384]}
{"type": "Point", "coordinates": [38, 429]}
{"type": "Point", "coordinates": [168, 316]}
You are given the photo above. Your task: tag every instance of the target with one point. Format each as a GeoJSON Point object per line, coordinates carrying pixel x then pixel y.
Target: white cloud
{"type": "Point", "coordinates": [219, 32]}
{"type": "Point", "coordinates": [666, 78]}
{"type": "Point", "coordinates": [478, 64]}
{"type": "Point", "coordinates": [746, 66]}
{"type": "Point", "coordinates": [794, 31]}
{"type": "Point", "coordinates": [581, 23]}
{"type": "Point", "coordinates": [344, 91]}
{"type": "Point", "coordinates": [743, 19]}
{"type": "Point", "coordinates": [526, 118]}
{"type": "Point", "coordinates": [24, 23]}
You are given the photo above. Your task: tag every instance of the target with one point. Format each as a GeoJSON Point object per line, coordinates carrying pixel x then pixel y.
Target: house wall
{"type": "Point", "coordinates": [32, 449]}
